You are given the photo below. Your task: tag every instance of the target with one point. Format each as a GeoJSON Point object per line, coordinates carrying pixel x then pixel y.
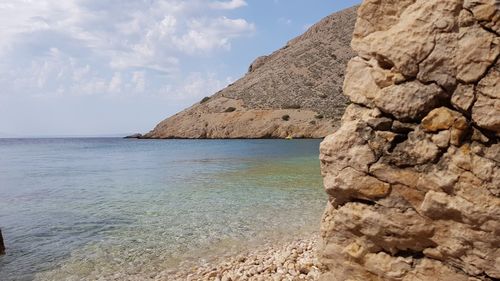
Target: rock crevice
{"type": "Point", "coordinates": [413, 173]}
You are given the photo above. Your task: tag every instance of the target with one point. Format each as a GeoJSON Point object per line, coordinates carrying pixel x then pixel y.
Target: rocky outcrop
{"type": "Point", "coordinates": [413, 173]}
{"type": "Point", "coordinates": [134, 136]}
{"type": "Point", "coordinates": [2, 246]}
{"type": "Point", "coordinates": [302, 81]}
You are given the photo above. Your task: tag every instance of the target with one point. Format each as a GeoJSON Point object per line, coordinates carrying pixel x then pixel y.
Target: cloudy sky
{"type": "Point", "coordinates": [109, 67]}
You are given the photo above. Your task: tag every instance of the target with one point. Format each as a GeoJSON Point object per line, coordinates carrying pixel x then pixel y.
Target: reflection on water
{"type": "Point", "coordinates": [74, 209]}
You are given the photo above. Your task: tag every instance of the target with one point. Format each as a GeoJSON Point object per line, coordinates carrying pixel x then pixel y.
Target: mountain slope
{"type": "Point", "coordinates": [296, 91]}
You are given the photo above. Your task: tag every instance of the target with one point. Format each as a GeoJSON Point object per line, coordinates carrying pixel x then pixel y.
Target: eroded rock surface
{"type": "Point", "coordinates": [413, 173]}
{"type": "Point", "coordinates": [302, 80]}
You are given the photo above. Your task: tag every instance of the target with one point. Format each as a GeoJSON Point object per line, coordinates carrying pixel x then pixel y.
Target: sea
{"type": "Point", "coordinates": [104, 208]}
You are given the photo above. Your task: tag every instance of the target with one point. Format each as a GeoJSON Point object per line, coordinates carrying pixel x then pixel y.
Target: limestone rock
{"type": "Point", "coordinates": [477, 50]}
{"type": "Point", "coordinates": [413, 173]}
{"type": "Point", "coordinates": [486, 12]}
{"type": "Point", "coordinates": [443, 118]}
{"type": "Point", "coordinates": [349, 184]}
{"type": "Point", "coordinates": [486, 109]}
{"type": "Point", "coordinates": [410, 100]}
{"type": "Point", "coordinates": [486, 113]}
{"type": "Point", "coordinates": [420, 22]}
{"type": "Point", "coordinates": [440, 66]}
{"type": "Point", "coordinates": [463, 97]}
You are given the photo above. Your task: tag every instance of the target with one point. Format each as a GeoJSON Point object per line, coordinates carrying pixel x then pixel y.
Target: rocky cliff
{"type": "Point", "coordinates": [413, 173]}
{"type": "Point", "coordinates": [296, 91]}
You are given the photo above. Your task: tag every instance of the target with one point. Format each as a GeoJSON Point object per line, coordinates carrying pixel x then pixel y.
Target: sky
{"type": "Point", "coordinates": [114, 67]}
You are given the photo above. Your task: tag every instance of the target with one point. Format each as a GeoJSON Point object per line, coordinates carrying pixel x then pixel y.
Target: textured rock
{"type": "Point", "coordinates": [302, 80]}
{"type": "Point", "coordinates": [413, 173]}
{"type": "Point", "coordinates": [408, 101]}
{"type": "Point", "coordinates": [463, 97]}
{"type": "Point", "coordinates": [486, 109]}
{"type": "Point", "coordinates": [486, 12]}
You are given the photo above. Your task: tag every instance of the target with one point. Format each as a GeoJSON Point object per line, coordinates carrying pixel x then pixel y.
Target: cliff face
{"type": "Point", "coordinates": [296, 91]}
{"type": "Point", "coordinates": [413, 174]}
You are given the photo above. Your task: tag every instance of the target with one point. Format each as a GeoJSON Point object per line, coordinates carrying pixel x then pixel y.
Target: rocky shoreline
{"type": "Point", "coordinates": [294, 260]}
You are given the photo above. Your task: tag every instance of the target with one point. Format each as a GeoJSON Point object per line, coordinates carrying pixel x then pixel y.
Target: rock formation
{"type": "Point", "coordinates": [296, 91]}
{"type": "Point", "coordinates": [413, 173]}
{"type": "Point", "coordinates": [133, 136]}
{"type": "Point", "coordinates": [2, 246]}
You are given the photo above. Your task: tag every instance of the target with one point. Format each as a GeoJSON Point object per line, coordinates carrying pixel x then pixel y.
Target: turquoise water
{"type": "Point", "coordinates": [83, 209]}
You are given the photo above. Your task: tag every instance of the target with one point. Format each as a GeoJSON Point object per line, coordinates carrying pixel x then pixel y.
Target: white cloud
{"type": "Point", "coordinates": [307, 26]}
{"type": "Point", "coordinates": [115, 85]}
{"type": "Point", "coordinates": [93, 47]}
{"type": "Point", "coordinates": [195, 86]}
{"type": "Point", "coordinates": [139, 80]}
{"type": "Point", "coordinates": [228, 5]}
{"type": "Point", "coordinates": [205, 35]}
{"type": "Point", "coordinates": [285, 21]}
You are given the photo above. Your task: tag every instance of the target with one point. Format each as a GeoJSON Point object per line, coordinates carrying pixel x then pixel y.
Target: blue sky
{"type": "Point", "coordinates": [94, 67]}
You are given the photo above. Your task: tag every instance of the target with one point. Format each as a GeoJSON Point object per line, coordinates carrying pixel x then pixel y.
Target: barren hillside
{"type": "Point", "coordinates": [296, 91]}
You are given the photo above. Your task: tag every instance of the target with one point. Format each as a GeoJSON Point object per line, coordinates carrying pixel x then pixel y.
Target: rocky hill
{"type": "Point", "coordinates": [413, 173]}
{"type": "Point", "coordinates": [295, 91]}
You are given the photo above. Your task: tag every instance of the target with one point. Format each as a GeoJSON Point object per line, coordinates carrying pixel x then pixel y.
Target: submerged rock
{"type": "Point", "coordinates": [2, 245]}
{"type": "Point", "coordinates": [413, 173]}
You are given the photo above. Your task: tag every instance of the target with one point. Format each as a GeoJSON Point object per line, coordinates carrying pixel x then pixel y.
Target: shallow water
{"type": "Point", "coordinates": [76, 209]}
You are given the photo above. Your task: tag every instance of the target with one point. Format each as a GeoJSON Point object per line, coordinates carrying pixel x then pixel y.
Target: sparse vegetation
{"type": "Point", "coordinates": [319, 116]}
{"type": "Point", "coordinates": [285, 117]}
{"type": "Point", "coordinates": [323, 96]}
{"type": "Point", "coordinates": [230, 109]}
{"type": "Point", "coordinates": [205, 99]}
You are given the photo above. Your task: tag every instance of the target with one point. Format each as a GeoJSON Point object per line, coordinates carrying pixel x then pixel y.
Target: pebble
{"type": "Point", "coordinates": [295, 260]}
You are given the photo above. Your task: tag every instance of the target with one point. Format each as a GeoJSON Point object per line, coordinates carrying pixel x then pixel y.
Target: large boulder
{"type": "Point", "coordinates": [413, 173]}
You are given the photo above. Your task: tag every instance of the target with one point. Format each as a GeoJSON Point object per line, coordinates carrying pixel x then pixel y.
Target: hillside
{"type": "Point", "coordinates": [296, 91]}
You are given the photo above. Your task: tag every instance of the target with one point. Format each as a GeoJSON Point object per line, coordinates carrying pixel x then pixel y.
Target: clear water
{"type": "Point", "coordinates": [83, 209]}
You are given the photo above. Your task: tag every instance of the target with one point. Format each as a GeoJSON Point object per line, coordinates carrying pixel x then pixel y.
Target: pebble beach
{"type": "Point", "coordinates": [294, 260]}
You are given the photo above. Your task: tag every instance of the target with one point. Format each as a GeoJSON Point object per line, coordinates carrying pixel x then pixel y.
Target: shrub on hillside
{"type": "Point", "coordinates": [292, 106]}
